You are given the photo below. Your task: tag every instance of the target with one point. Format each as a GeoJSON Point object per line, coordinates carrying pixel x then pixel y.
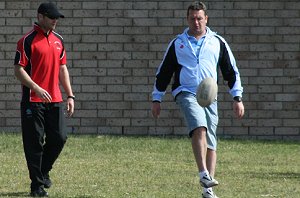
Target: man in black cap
{"type": "Point", "coordinates": [50, 10]}
{"type": "Point", "coordinates": [40, 65]}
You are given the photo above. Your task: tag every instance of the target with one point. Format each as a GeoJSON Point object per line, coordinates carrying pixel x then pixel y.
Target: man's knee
{"type": "Point", "coordinates": [58, 140]}
{"type": "Point", "coordinates": [198, 132]}
{"type": "Point", "coordinates": [62, 140]}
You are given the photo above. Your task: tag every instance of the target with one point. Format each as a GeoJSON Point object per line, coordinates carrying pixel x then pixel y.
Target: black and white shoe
{"type": "Point", "coordinates": [207, 181]}
{"type": "Point", "coordinates": [209, 194]}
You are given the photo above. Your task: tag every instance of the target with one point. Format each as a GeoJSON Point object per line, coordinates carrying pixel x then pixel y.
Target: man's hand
{"type": "Point", "coordinates": [155, 109]}
{"type": "Point", "coordinates": [238, 109]}
{"type": "Point", "coordinates": [70, 106]}
{"type": "Point", "coordinates": [43, 94]}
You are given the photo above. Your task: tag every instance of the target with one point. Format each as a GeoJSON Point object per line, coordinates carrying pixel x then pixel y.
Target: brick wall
{"type": "Point", "coordinates": [114, 48]}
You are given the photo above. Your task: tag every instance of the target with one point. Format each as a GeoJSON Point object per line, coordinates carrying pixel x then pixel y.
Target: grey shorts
{"type": "Point", "coordinates": [197, 116]}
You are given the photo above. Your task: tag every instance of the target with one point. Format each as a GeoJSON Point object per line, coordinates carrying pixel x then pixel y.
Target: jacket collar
{"type": "Point", "coordinates": [184, 35]}
{"type": "Point", "coordinates": [38, 28]}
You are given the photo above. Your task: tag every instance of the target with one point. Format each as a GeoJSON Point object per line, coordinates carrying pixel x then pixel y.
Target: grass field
{"type": "Point", "coordinates": [150, 167]}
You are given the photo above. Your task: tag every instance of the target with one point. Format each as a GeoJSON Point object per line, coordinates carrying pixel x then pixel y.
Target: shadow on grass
{"type": "Point", "coordinates": [26, 194]}
{"type": "Point", "coordinates": [274, 175]}
{"type": "Point", "coordinates": [14, 194]}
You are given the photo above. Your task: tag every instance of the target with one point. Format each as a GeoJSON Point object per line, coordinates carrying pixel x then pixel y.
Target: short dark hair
{"type": "Point", "coordinates": [197, 5]}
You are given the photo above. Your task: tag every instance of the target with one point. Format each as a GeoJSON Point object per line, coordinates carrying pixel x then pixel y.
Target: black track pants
{"type": "Point", "coordinates": [44, 135]}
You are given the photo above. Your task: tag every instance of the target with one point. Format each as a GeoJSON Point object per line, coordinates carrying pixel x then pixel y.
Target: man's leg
{"type": "Point", "coordinates": [33, 139]}
{"type": "Point", "coordinates": [199, 146]}
{"type": "Point", "coordinates": [211, 160]}
{"type": "Point", "coordinates": [55, 138]}
{"type": "Point", "coordinates": [202, 155]}
{"type": "Point", "coordinates": [205, 158]}
{"type": "Point", "coordinates": [206, 161]}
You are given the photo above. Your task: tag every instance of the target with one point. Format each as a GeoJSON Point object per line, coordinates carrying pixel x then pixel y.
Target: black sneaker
{"type": "Point", "coordinates": [40, 192]}
{"type": "Point", "coordinates": [47, 182]}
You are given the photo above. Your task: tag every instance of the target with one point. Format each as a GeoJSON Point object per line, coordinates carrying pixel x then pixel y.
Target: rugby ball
{"type": "Point", "coordinates": [207, 92]}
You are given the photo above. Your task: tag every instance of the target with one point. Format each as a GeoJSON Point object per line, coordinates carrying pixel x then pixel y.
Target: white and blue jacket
{"type": "Point", "coordinates": [188, 70]}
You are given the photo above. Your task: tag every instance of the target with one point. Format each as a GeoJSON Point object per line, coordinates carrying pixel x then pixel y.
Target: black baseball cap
{"type": "Point", "coordinates": [50, 10]}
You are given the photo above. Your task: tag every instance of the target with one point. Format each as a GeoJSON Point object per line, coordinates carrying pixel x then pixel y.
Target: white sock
{"type": "Point", "coordinates": [203, 173]}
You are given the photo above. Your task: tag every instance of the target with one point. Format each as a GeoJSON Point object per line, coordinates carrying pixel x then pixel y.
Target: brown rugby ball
{"type": "Point", "coordinates": [207, 91]}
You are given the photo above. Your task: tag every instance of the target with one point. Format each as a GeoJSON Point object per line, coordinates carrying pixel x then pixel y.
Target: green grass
{"type": "Point", "coordinates": [118, 166]}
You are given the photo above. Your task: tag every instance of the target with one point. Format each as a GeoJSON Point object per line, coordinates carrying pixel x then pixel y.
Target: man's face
{"type": "Point", "coordinates": [47, 23]}
{"type": "Point", "coordinates": [197, 21]}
